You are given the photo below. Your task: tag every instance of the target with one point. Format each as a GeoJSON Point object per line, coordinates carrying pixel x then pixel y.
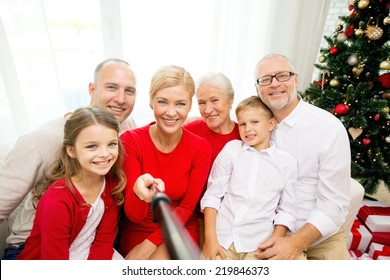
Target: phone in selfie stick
{"type": "Point", "coordinates": [179, 243]}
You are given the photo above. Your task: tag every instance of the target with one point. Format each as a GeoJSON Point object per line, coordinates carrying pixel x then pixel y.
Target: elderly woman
{"type": "Point", "coordinates": [156, 151]}
{"type": "Point", "coordinates": [215, 96]}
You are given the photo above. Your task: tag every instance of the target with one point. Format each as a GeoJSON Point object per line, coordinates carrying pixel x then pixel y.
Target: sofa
{"type": "Point", "coordinates": [357, 192]}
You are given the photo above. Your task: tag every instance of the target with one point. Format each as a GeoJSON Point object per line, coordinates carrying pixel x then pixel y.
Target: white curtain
{"type": "Point", "coordinates": [49, 48]}
{"type": "Point", "coordinates": [296, 31]}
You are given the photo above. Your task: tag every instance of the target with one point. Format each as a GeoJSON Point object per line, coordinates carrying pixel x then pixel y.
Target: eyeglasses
{"type": "Point", "coordinates": [280, 77]}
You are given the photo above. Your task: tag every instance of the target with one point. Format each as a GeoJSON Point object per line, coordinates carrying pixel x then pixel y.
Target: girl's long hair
{"type": "Point", "coordinates": [66, 166]}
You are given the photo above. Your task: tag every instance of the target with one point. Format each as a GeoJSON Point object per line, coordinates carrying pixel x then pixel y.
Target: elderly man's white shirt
{"type": "Point", "coordinates": [320, 144]}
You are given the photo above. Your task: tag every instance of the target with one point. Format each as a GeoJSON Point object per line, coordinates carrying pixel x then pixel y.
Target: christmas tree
{"type": "Point", "coordinates": [354, 85]}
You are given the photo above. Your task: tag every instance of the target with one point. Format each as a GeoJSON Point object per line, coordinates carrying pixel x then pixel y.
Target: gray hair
{"type": "Point", "coordinates": [218, 80]}
{"type": "Point", "coordinates": [272, 55]}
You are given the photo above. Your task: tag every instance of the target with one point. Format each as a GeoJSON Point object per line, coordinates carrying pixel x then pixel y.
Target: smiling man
{"type": "Point", "coordinates": [31, 159]}
{"type": "Point", "coordinates": [320, 144]}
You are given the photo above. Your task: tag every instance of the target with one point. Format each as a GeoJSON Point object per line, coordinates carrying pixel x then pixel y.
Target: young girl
{"type": "Point", "coordinates": [78, 209]}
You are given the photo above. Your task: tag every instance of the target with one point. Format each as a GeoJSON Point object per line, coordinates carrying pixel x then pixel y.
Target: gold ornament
{"type": "Point", "coordinates": [386, 20]}
{"type": "Point", "coordinates": [355, 132]}
{"type": "Point", "coordinates": [321, 59]}
{"type": "Point", "coordinates": [386, 110]}
{"type": "Point", "coordinates": [374, 32]}
{"type": "Point", "coordinates": [385, 65]}
{"type": "Point", "coordinates": [359, 32]}
{"type": "Point", "coordinates": [334, 83]}
{"type": "Point", "coordinates": [363, 4]}
{"type": "Point", "coordinates": [357, 70]}
{"type": "Point", "coordinates": [339, 27]}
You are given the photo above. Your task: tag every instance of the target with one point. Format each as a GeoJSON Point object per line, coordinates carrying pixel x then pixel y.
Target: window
{"type": "Point", "coordinates": [50, 48]}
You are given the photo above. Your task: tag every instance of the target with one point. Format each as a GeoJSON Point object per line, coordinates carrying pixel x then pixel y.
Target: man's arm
{"type": "Point", "coordinates": [20, 172]}
{"type": "Point", "coordinates": [289, 247]}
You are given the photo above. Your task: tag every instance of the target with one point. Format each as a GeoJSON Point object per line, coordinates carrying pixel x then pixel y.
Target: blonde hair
{"type": "Point", "coordinates": [170, 76]}
{"type": "Point", "coordinates": [253, 102]}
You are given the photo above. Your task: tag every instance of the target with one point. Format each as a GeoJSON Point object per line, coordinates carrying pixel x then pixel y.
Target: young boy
{"type": "Point", "coordinates": [250, 193]}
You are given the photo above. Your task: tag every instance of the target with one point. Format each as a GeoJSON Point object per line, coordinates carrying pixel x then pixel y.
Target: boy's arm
{"type": "Point", "coordinates": [211, 247]}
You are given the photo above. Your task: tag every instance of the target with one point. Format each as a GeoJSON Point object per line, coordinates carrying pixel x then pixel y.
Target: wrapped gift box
{"type": "Point", "coordinates": [357, 255]}
{"type": "Point", "coordinates": [366, 211]}
{"type": "Point", "coordinates": [376, 218]}
{"type": "Point", "coordinates": [377, 223]}
{"type": "Point", "coordinates": [379, 251]}
{"type": "Point", "coordinates": [359, 237]}
{"type": "Point", "coordinates": [381, 238]}
{"type": "Point", "coordinates": [374, 203]}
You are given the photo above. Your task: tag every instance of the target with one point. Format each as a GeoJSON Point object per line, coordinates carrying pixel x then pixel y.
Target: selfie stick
{"type": "Point", "coordinates": [180, 245]}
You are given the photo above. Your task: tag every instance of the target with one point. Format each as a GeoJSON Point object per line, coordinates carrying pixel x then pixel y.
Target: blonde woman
{"type": "Point", "coordinates": [167, 154]}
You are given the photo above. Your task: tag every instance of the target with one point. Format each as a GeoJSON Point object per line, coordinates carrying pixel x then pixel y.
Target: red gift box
{"type": "Point", "coordinates": [379, 251]}
{"type": "Point", "coordinates": [359, 237]}
{"type": "Point", "coordinates": [376, 218]}
{"type": "Point", "coordinates": [373, 208]}
{"type": "Point", "coordinates": [357, 255]}
{"type": "Point", "coordinates": [381, 238]}
{"type": "Point", "coordinates": [365, 211]}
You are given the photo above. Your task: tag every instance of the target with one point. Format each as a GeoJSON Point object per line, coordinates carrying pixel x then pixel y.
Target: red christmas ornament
{"type": "Point", "coordinates": [377, 117]}
{"type": "Point", "coordinates": [333, 50]}
{"type": "Point", "coordinates": [385, 95]}
{"type": "Point", "coordinates": [385, 80]}
{"type": "Point", "coordinates": [366, 141]}
{"type": "Point", "coordinates": [350, 7]}
{"type": "Point", "coordinates": [349, 30]}
{"type": "Point", "coordinates": [353, 14]}
{"type": "Point", "coordinates": [319, 83]}
{"type": "Point", "coordinates": [341, 109]}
